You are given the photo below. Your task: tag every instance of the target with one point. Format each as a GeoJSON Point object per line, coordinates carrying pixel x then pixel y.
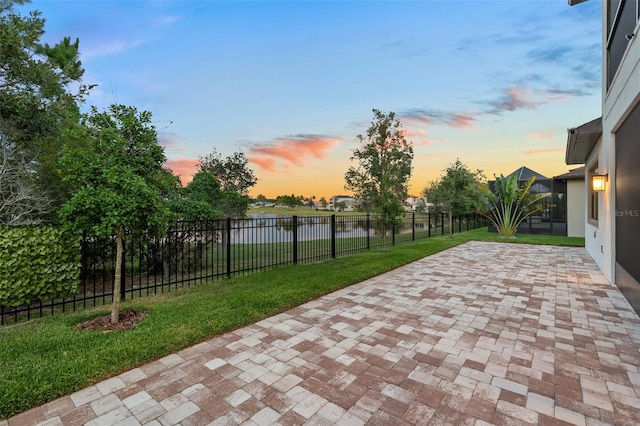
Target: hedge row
{"type": "Point", "coordinates": [37, 263]}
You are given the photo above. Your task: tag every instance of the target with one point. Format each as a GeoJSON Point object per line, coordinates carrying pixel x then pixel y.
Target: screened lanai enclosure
{"type": "Point", "coordinates": [552, 219]}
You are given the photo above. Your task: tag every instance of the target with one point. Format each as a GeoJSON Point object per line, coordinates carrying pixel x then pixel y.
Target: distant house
{"type": "Point", "coordinates": [575, 193]}
{"type": "Point", "coordinates": [263, 204]}
{"type": "Point", "coordinates": [412, 202]}
{"type": "Point", "coordinates": [610, 151]}
{"type": "Point", "coordinates": [342, 203]}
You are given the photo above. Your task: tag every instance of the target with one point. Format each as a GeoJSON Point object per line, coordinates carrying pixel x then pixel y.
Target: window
{"type": "Point", "coordinates": [622, 17]}
{"type": "Point", "coordinates": [592, 217]}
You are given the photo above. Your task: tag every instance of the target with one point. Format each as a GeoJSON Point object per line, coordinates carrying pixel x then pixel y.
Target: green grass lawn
{"type": "Point", "coordinates": [46, 358]}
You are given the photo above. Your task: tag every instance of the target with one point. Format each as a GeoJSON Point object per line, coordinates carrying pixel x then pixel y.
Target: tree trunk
{"type": "Point", "coordinates": [115, 310]}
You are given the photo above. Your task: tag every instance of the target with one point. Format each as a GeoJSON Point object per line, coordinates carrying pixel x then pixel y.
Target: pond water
{"type": "Point", "coordinates": [270, 228]}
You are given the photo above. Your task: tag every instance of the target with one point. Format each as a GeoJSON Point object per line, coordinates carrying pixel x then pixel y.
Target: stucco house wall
{"type": "Point", "coordinates": [621, 116]}
{"type": "Point", "coordinates": [576, 211]}
{"type": "Point", "coordinates": [596, 234]}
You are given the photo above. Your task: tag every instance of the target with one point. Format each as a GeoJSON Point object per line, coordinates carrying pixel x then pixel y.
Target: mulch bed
{"type": "Point", "coordinates": [126, 321]}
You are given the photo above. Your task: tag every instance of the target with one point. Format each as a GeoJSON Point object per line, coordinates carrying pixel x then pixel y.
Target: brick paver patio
{"type": "Point", "coordinates": [483, 333]}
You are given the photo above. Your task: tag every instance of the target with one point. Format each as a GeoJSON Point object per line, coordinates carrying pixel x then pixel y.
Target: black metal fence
{"type": "Point", "coordinates": [196, 252]}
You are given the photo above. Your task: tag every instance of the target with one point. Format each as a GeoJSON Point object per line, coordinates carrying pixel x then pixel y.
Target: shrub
{"type": "Point", "coordinates": [37, 263]}
{"type": "Point", "coordinates": [511, 204]}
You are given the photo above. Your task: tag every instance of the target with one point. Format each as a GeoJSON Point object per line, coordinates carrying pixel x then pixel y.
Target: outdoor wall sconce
{"type": "Point", "coordinates": [598, 182]}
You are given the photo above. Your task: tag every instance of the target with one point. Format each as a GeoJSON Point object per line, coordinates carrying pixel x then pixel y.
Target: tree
{"type": "Point", "coordinates": [290, 200]}
{"type": "Point", "coordinates": [510, 204]}
{"type": "Point", "coordinates": [422, 206]}
{"type": "Point", "coordinates": [21, 203]}
{"type": "Point", "coordinates": [235, 178]}
{"type": "Point", "coordinates": [340, 206]}
{"type": "Point", "coordinates": [384, 167]}
{"type": "Point", "coordinates": [36, 100]}
{"type": "Point", "coordinates": [456, 192]}
{"type": "Point", "coordinates": [323, 202]}
{"type": "Point", "coordinates": [232, 172]}
{"type": "Point", "coordinates": [116, 179]}
{"type": "Point", "coordinates": [199, 200]}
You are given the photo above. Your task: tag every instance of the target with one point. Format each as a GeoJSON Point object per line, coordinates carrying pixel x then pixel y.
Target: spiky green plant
{"type": "Point", "coordinates": [510, 204]}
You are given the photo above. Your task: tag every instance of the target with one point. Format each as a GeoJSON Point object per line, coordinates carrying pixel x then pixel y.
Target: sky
{"type": "Point", "coordinates": [495, 84]}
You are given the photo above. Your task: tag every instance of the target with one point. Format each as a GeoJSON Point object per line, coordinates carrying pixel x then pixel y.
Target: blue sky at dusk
{"type": "Point", "coordinates": [291, 83]}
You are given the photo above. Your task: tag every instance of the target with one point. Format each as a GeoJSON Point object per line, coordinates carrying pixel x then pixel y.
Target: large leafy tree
{"type": "Point", "coordinates": [40, 86]}
{"type": "Point", "coordinates": [290, 201]}
{"type": "Point", "coordinates": [116, 179]}
{"type": "Point", "coordinates": [456, 191]}
{"type": "Point", "coordinates": [235, 178]}
{"type": "Point", "coordinates": [380, 179]}
{"type": "Point", "coordinates": [232, 172]}
{"type": "Point", "coordinates": [201, 199]}
{"type": "Point", "coordinates": [20, 201]}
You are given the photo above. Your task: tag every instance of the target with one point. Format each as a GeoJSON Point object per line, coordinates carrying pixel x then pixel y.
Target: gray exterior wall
{"type": "Point", "coordinates": [576, 207]}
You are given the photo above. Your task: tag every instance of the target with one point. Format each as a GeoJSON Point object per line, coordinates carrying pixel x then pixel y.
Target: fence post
{"type": "Point", "coordinates": [393, 234]}
{"type": "Point", "coordinates": [294, 222]}
{"type": "Point", "coordinates": [442, 222]}
{"type": "Point", "coordinates": [459, 223]}
{"type": "Point", "coordinates": [228, 242]}
{"type": "Point", "coordinates": [429, 224]}
{"type": "Point", "coordinates": [333, 236]}
{"type": "Point", "coordinates": [413, 226]}
{"type": "Point", "coordinates": [169, 258]}
{"type": "Point", "coordinates": [368, 224]}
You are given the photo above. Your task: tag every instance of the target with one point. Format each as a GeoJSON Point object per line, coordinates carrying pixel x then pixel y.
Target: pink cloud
{"type": "Point", "coordinates": [265, 163]}
{"type": "Point", "coordinates": [184, 168]}
{"type": "Point", "coordinates": [419, 137]}
{"type": "Point", "coordinates": [291, 150]}
{"type": "Point", "coordinates": [458, 119]}
{"type": "Point", "coordinates": [543, 151]}
{"type": "Point", "coordinates": [514, 98]}
{"type": "Point", "coordinates": [410, 133]}
{"type": "Point", "coordinates": [418, 116]}
{"type": "Point", "coordinates": [465, 120]}
{"type": "Point", "coordinates": [285, 152]}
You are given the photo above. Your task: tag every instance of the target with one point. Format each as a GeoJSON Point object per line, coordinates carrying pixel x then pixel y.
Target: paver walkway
{"type": "Point", "coordinates": [483, 333]}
